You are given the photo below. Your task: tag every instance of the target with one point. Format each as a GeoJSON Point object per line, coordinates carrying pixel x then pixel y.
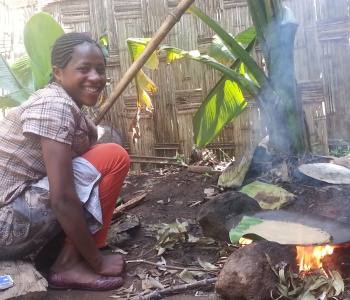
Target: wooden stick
{"type": "Point", "coordinates": [163, 30]}
{"type": "Point", "coordinates": [130, 204]}
{"type": "Point", "coordinates": [169, 267]}
{"type": "Point", "coordinates": [158, 294]}
{"type": "Point", "coordinates": [153, 160]}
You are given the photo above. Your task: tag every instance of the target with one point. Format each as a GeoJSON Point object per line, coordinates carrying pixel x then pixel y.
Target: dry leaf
{"type": "Point", "coordinates": [187, 276]}
{"type": "Point", "coordinates": [155, 283]}
{"type": "Point", "coordinates": [207, 265]}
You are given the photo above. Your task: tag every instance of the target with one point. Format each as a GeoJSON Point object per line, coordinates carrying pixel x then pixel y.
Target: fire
{"type": "Point", "coordinates": [307, 257]}
{"type": "Point", "coordinates": [311, 257]}
{"type": "Point", "coordinates": [243, 241]}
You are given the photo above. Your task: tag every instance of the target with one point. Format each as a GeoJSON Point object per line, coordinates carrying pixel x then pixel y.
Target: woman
{"type": "Point", "coordinates": [53, 178]}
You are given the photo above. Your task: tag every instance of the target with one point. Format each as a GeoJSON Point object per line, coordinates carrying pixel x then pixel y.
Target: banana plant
{"type": "Point", "coordinates": [33, 69]}
{"type": "Point", "coordinates": [276, 93]}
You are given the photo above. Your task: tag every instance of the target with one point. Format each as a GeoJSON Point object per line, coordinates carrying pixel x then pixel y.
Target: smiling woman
{"type": "Point", "coordinates": [54, 177]}
{"type": "Point", "coordinates": [82, 72]}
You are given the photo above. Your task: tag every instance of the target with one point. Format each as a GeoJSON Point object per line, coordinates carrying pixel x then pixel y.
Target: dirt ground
{"type": "Point", "coordinates": [176, 194]}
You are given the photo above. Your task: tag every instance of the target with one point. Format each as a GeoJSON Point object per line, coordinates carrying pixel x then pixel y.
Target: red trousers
{"type": "Point", "coordinates": [113, 162]}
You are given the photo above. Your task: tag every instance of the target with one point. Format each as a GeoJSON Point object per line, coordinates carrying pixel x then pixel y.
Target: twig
{"type": "Point", "coordinates": [130, 204]}
{"type": "Point", "coordinates": [158, 294]}
{"type": "Point", "coordinates": [167, 266]}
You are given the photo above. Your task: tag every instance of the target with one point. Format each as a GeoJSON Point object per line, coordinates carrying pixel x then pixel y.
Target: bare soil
{"type": "Point", "coordinates": [176, 194]}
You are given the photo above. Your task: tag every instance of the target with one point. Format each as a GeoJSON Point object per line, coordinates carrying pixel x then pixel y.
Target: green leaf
{"type": "Point", "coordinates": [136, 46]}
{"type": "Point", "coordinates": [22, 69]}
{"type": "Point", "coordinates": [219, 51]}
{"type": "Point", "coordinates": [39, 35]}
{"type": "Point", "coordinates": [8, 80]}
{"type": "Point", "coordinates": [10, 83]}
{"type": "Point", "coordinates": [233, 46]}
{"type": "Point", "coordinates": [103, 42]}
{"type": "Point", "coordinates": [223, 104]}
{"type": "Point", "coordinates": [237, 232]}
{"type": "Point", "coordinates": [246, 36]}
{"type": "Point", "coordinates": [243, 82]}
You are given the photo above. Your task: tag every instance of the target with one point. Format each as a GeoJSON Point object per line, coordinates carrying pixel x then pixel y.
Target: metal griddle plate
{"type": "Point", "coordinates": [339, 231]}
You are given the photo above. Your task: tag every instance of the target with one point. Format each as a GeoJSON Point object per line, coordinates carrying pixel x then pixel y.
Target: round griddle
{"type": "Point", "coordinates": [339, 231]}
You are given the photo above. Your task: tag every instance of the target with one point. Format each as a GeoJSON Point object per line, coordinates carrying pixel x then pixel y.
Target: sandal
{"type": "Point", "coordinates": [57, 282]}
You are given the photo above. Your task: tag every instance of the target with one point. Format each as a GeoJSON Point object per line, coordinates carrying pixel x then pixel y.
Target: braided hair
{"type": "Point", "coordinates": [63, 48]}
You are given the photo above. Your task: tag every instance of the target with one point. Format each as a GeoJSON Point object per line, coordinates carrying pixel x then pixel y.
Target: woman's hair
{"type": "Point", "coordinates": [63, 48]}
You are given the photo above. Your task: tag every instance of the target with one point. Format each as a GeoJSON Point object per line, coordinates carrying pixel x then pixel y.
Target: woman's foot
{"type": "Point", "coordinates": [103, 283]}
{"type": "Point", "coordinates": [71, 266]}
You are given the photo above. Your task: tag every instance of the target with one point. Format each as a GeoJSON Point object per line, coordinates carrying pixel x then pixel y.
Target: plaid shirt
{"type": "Point", "coordinates": [49, 113]}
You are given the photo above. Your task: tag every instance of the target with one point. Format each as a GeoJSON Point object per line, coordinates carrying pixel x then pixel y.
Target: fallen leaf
{"type": "Point", "coordinates": [207, 265]}
{"type": "Point", "coordinates": [155, 283]}
{"type": "Point", "coordinates": [267, 195]}
{"type": "Point", "coordinates": [186, 276]}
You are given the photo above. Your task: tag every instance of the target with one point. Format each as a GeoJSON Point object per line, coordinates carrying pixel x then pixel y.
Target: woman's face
{"type": "Point", "coordinates": [84, 77]}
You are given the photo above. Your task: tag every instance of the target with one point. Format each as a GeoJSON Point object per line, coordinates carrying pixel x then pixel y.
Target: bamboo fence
{"type": "Point", "coordinates": [321, 62]}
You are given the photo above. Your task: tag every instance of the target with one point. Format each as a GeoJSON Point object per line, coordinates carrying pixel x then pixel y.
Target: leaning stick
{"type": "Point", "coordinates": [158, 294]}
{"type": "Point", "coordinates": [163, 30]}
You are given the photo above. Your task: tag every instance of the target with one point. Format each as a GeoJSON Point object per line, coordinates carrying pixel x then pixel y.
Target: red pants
{"type": "Point", "coordinates": [113, 162]}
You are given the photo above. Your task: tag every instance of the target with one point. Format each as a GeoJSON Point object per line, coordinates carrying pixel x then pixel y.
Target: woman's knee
{"type": "Point", "coordinates": [108, 157]}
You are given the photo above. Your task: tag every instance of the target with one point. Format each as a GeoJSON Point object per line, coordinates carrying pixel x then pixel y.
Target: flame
{"type": "Point", "coordinates": [311, 257]}
{"type": "Point", "coordinates": [243, 241]}
{"type": "Point", "coordinates": [307, 257]}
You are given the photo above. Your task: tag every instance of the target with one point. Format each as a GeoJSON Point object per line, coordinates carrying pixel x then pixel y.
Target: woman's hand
{"type": "Point", "coordinates": [112, 265]}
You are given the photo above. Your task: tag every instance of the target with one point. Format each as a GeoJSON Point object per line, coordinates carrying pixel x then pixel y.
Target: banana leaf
{"type": "Point", "coordinates": [104, 43]}
{"type": "Point", "coordinates": [10, 83]}
{"type": "Point", "coordinates": [221, 112]}
{"type": "Point", "coordinates": [233, 46]}
{"type": "Point", "coordinates": [39, 35]}
{"type": "Point", "coordinates": [221, 106]}
{"type": "Point", "coordinates": [21, 68]}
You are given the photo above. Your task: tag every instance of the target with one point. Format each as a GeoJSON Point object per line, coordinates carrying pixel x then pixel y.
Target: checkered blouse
{"type": "Point", "coordinates": [51, 113]}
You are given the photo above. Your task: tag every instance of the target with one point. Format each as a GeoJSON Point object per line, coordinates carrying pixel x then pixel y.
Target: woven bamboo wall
{"type": "Point", "coordinates": [321, 59]}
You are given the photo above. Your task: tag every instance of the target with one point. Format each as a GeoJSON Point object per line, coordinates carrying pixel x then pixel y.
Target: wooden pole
{"type": "Point", "coordinates": [163, 30]}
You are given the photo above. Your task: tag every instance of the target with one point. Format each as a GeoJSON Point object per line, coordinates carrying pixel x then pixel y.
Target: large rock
{"type": "Point", "coordinates": [248, 275]}
{"type": "Point", "coordinates": [214, 217]}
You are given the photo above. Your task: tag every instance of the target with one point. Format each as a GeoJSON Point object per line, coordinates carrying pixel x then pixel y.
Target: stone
{"type": "Point", "coordinates": [215, 215]}
{"type": "Point", "coordinates": [29, 283]}
{"type": "Point", "coordinates": [248, 275]}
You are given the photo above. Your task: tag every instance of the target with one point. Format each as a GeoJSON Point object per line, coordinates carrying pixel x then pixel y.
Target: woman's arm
{"type": "Point", "coordinates": [68, 209]}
